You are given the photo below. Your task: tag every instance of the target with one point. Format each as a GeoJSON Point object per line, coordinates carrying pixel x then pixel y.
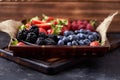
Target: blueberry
{"type": "Point", "coordinates": [88, 32]}
{"type": "Point", "coordinates": [87, 41]}
{"type": "Point", "coordinates": [81, 36]}
{"type": "Point", "coordinates": [91, 37]}
{"type": "Point", "coordinates": [66, 39]}
{"type": "Point", "coordinates": [81, 30]}
{"type": "Point", "coordinates": [86, 36]}
{"type": "Point", "coordinates": [60, 37]}
{"type": "Point", "coordinates": [76, 31]}
{"type": "Point", "coordinates": [96, 35]}
{"type": "Point", "coordinates": [81, 42]}
{"type": "Point", "coordinates": [60, 42]}
{"type": "Point", "coordinates": [70, 37]}
{"type": "Point", "coordinates": [69, 44]}
{"type": "Point", "coordinates": [67, 33]}
{"type": "Point", "coordinates": [74, 42]}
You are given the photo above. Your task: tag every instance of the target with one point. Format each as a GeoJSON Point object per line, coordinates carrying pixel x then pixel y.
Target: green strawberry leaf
{"type": "Point", "coordinates": [34, 18]}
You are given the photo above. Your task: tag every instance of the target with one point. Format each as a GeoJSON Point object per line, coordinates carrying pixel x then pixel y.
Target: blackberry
{"type": "Point", "coordinates": [54, 37]}
{"type": "Point", "coordinates": [22, 34]}
{"type": "Point", "coordinates": [40, 41]}
{"type": "Point", "coordinates": [50, 41]}
{"type": "Point", "coordinates": [31, 37]}
{"type": "Point", "coordinates": [34, 29]}
{"type": "Point", "coordinates": [43, 35]}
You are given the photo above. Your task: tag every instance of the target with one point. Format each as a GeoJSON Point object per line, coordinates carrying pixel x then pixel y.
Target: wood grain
{"type": "Point", "coordinates": [84, 9]}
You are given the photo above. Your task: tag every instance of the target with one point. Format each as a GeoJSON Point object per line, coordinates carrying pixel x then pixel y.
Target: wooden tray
{"type": "Point", "coordinates": [57, 51]}
{"type": "Point", "coordinates": [50, 66]}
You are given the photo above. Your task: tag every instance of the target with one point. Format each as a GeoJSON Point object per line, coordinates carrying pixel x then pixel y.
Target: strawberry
{"type": "Point", "coordinates": [49, 19]}
{"type": "Point", "coordinates": [45, 26]}
{"type": "Point", "coordinates": [36, 22]}
{"type": "Point", "coordinates": [65, 28]}
{"type": "Point", "coordinates": [49, 31]}
{"type": "Point", "coordinates": [42, 30]}
{"type": "Point", "coordinates": [20, 44]}
{"type": "Point", "coordinates": [95, 43]}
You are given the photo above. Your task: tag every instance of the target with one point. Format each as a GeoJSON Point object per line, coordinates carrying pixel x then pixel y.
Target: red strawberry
{"type": "Point", "coordinates": [45, 26]}
{"type": "Point", "coordinates": [49, 19]}
{"type": "Point", "coordinates": [55, 23]}
{"type": "Point", "coordinates": [37, 22]}
{"type": "Point", "coordinates": [65, 28]}
{"type": "Point", "coordinates": [20, 44]}
{"type": "Point", "coordinates": [42, 30]}
{"type": "Point", "coordinates": [95, 43]}
{"type": "Point", "coordinates": [49, 31]}
{"type": "Point", "coordinates": [28, 25]}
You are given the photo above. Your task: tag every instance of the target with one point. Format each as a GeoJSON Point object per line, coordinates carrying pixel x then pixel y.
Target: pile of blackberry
{"type": "Point", "coordinates": [35, 37]}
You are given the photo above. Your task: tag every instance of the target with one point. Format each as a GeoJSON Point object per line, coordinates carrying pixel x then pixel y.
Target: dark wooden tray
{"type": "Point", "coordinates": [49, 65]}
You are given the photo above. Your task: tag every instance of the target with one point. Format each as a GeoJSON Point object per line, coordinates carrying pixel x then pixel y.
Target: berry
{"type": "Point", "coordinates": [87, 41]}
{"type": "Point", "coordinates": [91, 37]}
{"type": "Point", "coordinates": [49, 31]}
{"type": "Point", "coordinates": [79, 22]}
{"type": "Point", "coordinates": [34, 29]}
{"type": "Point", "coordinates": [40, 41]}
{"type": "Point", "coordinates": [74, 26]}
{"type": "Point", "coordinates": [50, 41]}
{"type": "Point", "coordinates": [89, 27]}
{"type": "Point", "coordinates": [67, 33]}
{"type": "Point", "coordinates": [43, 35]}
{"type": "Point", "coordinates": [60, 37]}
{"type": "Point", "coordinates": [20, 44]}
{"type": "Point", "coordinates": [54, 37]}
{"type": "Point", "coordinates": [81, 42]}
{"type": "Point", "coordinates": [76, 31]}
{"type": "Point", "coordinates": [74, 43]}
{"type": "Point", "coordinates": [96, 35]}
{"type": "Point", "coordinates": [22, 34]}
{"type": "Point", "coordinates": [69, 44]}
{"type": "Point", "coordinates": [65, 39]}
{"type": "Point", "coordinates": [81, 36]}
{"type": "Point", "coordinates": [60, 42]}
{"type": "Point", "coordinates": [81, 31]}
{"type": "Point", "coordinates": [95, 43]}
{"type": "Point", "coordinates": [42, 30]}
{"type": "Point", "coordinates": [31, 37]}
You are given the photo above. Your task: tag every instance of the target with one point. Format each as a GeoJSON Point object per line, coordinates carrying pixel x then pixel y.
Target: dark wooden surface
{"type": "Point", "coordinates": [76, 9]}
{"type": "Point", "coordinates": [105, 68]}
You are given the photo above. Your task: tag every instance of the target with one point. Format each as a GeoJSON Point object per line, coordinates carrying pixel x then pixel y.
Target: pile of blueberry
{"type": "Point", "coordinates": [35, 37]}
{"type": "Point", "coordinates": [78, 37]}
